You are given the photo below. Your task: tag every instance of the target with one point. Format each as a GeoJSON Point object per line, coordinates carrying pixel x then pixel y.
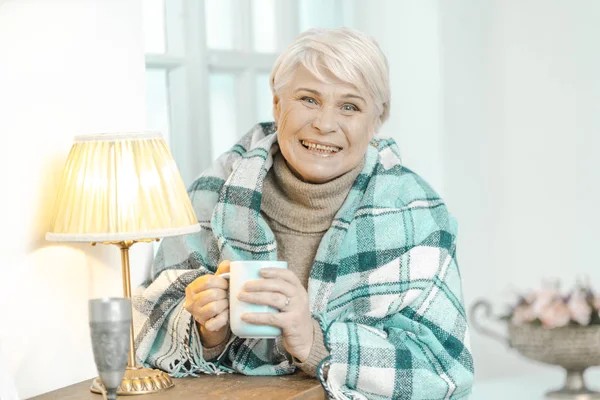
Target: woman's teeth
{"type": "Point", "coordinates": [319, 147]}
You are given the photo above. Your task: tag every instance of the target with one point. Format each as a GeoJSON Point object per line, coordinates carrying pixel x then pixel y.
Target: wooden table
{"type": "Point", "coordinates": [298, 386]}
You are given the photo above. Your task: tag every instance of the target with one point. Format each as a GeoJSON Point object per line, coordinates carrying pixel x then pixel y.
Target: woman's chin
{"type": "Point", "coordinates": [315, 167]}
{"type": "Point", "coordinates": [316, 176]}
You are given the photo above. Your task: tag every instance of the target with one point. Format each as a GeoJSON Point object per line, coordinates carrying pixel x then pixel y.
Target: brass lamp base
{"type": "Point", "coordinates": [138, 381]}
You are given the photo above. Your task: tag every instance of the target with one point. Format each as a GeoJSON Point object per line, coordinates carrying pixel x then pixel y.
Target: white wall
{"type": "Point", "coordinates": [496, 104]}
{"type": "Point", "coordinates": [67, 67]}
{"type": "Point", "coordinates": [407, 32]}
{"type": "Point", "coordinates": [521, 97]}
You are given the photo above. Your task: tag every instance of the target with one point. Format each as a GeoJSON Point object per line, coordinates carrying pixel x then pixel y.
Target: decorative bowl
{"type": "Point", "coordinates": [574, 348]}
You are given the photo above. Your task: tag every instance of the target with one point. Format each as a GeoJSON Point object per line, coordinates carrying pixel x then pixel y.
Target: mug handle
{"type": "Point", "coordinates": [226, 275]}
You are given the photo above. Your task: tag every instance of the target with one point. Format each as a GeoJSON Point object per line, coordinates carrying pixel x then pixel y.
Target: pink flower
{"type": "Point", "coordinates": [555, 314]}
{"type": "Point", "coordinates": [540, 299]}
{"type": "Point", "coordinates": [579, 309]}
{"type": "Point", "coordinates": [523, 314]}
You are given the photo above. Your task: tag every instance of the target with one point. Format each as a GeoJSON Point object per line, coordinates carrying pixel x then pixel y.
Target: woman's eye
{"type": "Point", "coordinates": [309, 100]}
{"type": "Point", "coordinates": [349, 107]}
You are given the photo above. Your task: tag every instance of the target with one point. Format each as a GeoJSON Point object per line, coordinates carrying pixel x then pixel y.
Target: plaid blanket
{"type": "Point", "coordinates": [385, 286]}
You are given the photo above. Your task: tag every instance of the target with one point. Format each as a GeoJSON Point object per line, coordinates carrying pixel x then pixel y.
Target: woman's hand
{"type": "Point", "coordinates": [206, 299]}
{"type": "Point", "coordinates": [282, 289]}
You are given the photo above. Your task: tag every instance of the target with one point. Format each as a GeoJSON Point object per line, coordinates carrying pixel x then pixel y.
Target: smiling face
{"type": "Point", "coordinates": [324, 128]}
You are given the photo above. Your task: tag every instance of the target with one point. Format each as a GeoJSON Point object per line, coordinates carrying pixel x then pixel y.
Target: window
{"type": "Point", "coordinates": [208, 65]}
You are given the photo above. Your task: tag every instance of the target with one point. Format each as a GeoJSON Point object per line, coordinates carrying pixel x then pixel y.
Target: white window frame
{"type": "Point", "coordinates": [189, 62]}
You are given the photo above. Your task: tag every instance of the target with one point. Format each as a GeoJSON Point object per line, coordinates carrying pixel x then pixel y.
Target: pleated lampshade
{"type": "Point", "coordinates": [118, 187]}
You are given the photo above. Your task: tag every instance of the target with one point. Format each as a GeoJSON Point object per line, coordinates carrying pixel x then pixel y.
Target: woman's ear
{"type": "Point", "coordinates": [374, 128]}
{"type": "Point", "coordinates": [276, 108]}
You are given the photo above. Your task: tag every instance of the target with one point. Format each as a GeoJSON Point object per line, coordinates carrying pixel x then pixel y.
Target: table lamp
{"type": "Point", "coordinates": [121, 189]}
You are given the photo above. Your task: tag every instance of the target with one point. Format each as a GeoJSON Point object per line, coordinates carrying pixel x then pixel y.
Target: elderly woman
{"type": "Point", "coordinates": [371, 303]}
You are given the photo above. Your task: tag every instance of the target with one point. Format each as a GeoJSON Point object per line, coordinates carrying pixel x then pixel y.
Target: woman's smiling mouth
{"type": "Point", "coordinates": [320, 148]}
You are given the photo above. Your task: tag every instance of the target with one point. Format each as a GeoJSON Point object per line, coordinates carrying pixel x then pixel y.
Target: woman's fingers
{"type": "Point", "coordinates": [208, 296]}
{"type": "Point", "coordinates": [270, 285]}
{"type": "Point", "coordinates": [267, 318]}
{"type": "Point", "coordinates": [206, 312]}
{"type": "Point", "coordinates": [206, 282]}
{"type": "Point", "coordinates": [218, 322]}
{"type": "Point", "coordinates": [281, 273]}
{"type": "Point", "coordinates": [209, 281]}
{"type": "Point", "coordinates": [273, 299]}
{"type": "Point", "coordinates": [223, 267]}
{"type": "Point", "coordinates": [206, 299]}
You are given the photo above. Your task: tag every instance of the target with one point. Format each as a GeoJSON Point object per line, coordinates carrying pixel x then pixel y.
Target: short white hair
{"type": "Point", "coordinates": [349, 55]}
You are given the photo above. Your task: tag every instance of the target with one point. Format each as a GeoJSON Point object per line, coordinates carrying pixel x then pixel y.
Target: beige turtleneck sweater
{"type": "Point", "coordinates": [299, 214]}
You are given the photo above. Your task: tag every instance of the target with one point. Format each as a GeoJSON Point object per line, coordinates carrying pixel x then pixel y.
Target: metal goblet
{"type": "Point", "coordinates": [110, 322]}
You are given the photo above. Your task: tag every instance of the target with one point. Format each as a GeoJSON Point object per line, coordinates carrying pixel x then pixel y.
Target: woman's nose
{"type": "Point", "coordinates": [325, 121]}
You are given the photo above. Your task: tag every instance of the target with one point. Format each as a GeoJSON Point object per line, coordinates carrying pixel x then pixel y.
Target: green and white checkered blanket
{"type": "Point", "coordinates": [385, 286]}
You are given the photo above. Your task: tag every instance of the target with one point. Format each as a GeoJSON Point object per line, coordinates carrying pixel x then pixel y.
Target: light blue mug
{"type": "Point", "coordinates": [240, 273]}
